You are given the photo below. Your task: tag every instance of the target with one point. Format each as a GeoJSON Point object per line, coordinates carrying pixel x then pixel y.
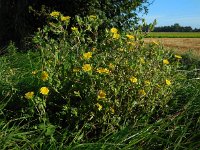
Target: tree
{"type": "Point", "coordinates": [175, 28]}
{"type": "Point", "coordinates": [17, 22]}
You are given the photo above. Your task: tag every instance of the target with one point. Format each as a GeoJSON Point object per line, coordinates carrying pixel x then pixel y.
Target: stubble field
{"type": "Point", "coordinates": [181, 45]}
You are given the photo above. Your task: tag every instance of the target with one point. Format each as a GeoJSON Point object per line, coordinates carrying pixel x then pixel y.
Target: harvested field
{"type": "Point", "coordinates": [181, 45]}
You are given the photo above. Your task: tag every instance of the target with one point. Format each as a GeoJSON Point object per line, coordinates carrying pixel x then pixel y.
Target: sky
{"type": "Point", "coordinates": [168, 12]}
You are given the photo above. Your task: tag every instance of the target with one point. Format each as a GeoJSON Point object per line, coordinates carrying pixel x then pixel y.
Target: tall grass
{"type": "Point", "coordinates": [83, 90]}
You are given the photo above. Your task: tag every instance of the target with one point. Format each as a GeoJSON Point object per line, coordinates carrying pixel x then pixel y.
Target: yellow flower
{"type": "Point", "coordinates": [106, 70]}
{"type": "Point", "coordinates": [44, 90]}
{"type": "Point", "coordinates": [29, 95]}
{"type": "Point", "coordinates": [74, 29]}
{"type": "Point", "coordinates": [102, 70]}
{"type": "Point", "coordinates": [178, 56]}
{"type": "Point", "coordinates": [133, 79]}
{"type": "Point", "coordinates": [86, 67]}
{"type": "Point", "coordinates": [87, 55]}
{"type": "Point", "coordinates": [44, 76]}
{"type": "Point", "coordinates": [130, 36]}
{"type": "Point", "coordinates": [65, 18]}
{"type": "Point", "coordinates": [142, 92]}
{"type": "Point", "coordinates": [113, 30]}
{"type": "Point", "coordinates": [147, 82]}
{"type": "Point", "coordinates": [55, 14]}
{"type": "Point", "coordinates": [168, 82]}
{"type": "Point", "coordinates": [101, 94]}
{"type": "Point", "coordinates": [165, 61]}
{"type": "Point", "coordinates": [116, 36]}
{"type": "Point", "coordinates": [99, 106]}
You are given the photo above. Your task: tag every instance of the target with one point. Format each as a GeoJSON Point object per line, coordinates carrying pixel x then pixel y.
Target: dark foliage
{"type": "Point", "coordinates": [18, 22]}
{"type": "Point", "coordinates": [175, 28]}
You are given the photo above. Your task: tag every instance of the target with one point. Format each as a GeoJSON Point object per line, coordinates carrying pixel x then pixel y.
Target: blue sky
{"type": "Point", "coordinates": [168, 12]}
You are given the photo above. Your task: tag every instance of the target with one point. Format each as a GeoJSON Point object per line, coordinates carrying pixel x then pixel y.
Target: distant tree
{"type": "Point", "coordinates": [175, 28]}
{"type": "Point", "coordinates": [187, 29]}
{"type": "Point", "coordinates": [196, 30]}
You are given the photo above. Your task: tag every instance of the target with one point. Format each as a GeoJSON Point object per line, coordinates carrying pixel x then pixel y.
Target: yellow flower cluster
{"type": "Point", "coordinates": [133, 79]}
{"type": "Point", "coordinates": [165, 61]}
{"type": "Point", "coordinates": [44, 90]}
{"type": "Point", "coordinates": [116, 36]}
{"type": "Point", "coordinates": [142, 93]}
{"type": "Point", "coordinates": [55, 14]}
{"type": "Point", "coordinates": [115, 33]}
{"type": "Point", "coordinates": [87, 55]}
{"type": "Point", "coordinates": [168, 82]}
{"type": "Point", "coordinates": [87, 67]}
{"type": "Point", "coordinates": [29, 95]}
{"type": "Point", "coordinates": [65, 18]}
{"type": "Point", "coordinates": [99, 106]}
{"type": "Point", "coordinates": [103, 70]}
{"type": "Point", "coordinates": [130, 36]}
{"type": "Point", "coordinates": [113, 30]}
{"type": "Point", "coordinates": [101, 94]}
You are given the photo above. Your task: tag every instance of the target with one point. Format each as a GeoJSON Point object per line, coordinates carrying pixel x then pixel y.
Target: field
{"type": "Point", "coordinates": [181, 45]}
{"type": "Point", "coordinates": [182, 42]}
{"type": "Point", "coordinates": [174, 35]}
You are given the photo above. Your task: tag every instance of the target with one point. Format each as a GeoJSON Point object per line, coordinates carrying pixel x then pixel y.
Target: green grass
{"type": "Point", "coordinates": [174, 34]}
{"type": "Point", "coordinates": [178, 128]}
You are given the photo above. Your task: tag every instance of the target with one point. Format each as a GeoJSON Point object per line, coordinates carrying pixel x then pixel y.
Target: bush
{"type": "Point", "coordinates": [93, 83]}
{"type": "Point", "coordinates": [20, 19]}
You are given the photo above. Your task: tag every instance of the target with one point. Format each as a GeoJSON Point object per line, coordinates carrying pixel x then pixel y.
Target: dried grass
{"type": "Point", "coordinates": [180, 45]}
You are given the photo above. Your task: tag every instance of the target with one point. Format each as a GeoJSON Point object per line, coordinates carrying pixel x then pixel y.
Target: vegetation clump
{"type": "Point", "coordinates": [82, 85]}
